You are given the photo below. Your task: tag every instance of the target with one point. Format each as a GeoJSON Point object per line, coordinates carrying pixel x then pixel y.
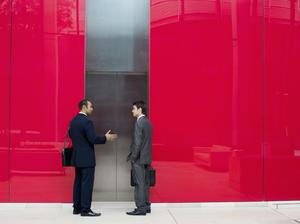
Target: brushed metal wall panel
{"type": "Point", "coordinates": [112, 96]}
{"type": "Point", "coordinates": [117, 35]}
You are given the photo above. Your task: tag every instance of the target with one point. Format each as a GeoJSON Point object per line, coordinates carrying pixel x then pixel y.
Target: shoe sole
{"type": "Point", "coordinates": [90, 215]}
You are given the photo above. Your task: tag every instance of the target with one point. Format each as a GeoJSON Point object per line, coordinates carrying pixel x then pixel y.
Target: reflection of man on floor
{"type": "Point", "coordinates": [83, 136]}
{"type": "Point", "coordinates": [140, 157]}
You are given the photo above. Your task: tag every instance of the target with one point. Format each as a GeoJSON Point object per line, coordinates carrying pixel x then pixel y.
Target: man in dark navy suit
{"type": "Point", "coordinates": [83, 136]}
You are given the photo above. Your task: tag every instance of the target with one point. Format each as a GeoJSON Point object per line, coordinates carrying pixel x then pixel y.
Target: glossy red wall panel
{"type": "Point", "coordinates": [282, 57]}
{"type": "Point", "coordinates": [47, 83]}
{"type": "Point", "coordinates": [223, 98]}
{"type": "Point", "coordinates": [5, 25]}
{"type": "Point", "coordinates": [206, 100]}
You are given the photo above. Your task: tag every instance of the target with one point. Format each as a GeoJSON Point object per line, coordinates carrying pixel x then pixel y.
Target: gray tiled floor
{"type": "Point", "coordinates": [194, 213]}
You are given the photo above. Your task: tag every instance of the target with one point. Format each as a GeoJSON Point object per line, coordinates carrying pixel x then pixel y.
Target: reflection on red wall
{"type": "Point", "coordinates": [4, 93]}
{"type": "Point", "coordinates": [47, 81]}
{"type": "Point", "coordinates": [282, 57]}
{"type": "Point", "coordinates": [223, 98]}
{"type": "Point", "coordinates": [205, 100]}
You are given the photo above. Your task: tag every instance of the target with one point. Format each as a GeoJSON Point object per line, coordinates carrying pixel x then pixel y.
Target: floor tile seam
{"type": "Point", "coordinates": [172, 216]}
{"type": "Point", "coordinates": [276, 210]}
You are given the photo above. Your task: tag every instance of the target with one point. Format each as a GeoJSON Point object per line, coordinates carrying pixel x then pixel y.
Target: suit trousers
{"type": "Point", "coordinates": [83, 188]}
{"type": "Point", "coordinates": [142, 185]}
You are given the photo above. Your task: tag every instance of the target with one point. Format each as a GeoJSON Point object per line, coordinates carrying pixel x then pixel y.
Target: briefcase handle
{"type": "Point", "coordinates": [67, 139]}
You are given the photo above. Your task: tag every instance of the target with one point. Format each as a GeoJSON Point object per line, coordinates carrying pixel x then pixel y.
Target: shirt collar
{"type": "Point", "coordinates": [142, 115]}
{"type": "Point", "coordinates": [83, 113]}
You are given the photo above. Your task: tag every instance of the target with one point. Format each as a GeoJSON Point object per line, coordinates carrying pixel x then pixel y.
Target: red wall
{"type": "Point", "coordinates": [206, 100]}
{"type": "Point", "coordinates": [223, 96]}
{"type": "Point", "coordinates": [44, 81]}
{"type": "Point", "coordinates": [4, 93]}
{"type": "Point", "coordinates": [282, 97]}
{"type": "Point", "coordinates": [224, 101]}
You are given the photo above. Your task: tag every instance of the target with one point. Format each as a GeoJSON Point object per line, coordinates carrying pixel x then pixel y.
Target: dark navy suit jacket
{"type": "Point", "coordinates": [83, 136]}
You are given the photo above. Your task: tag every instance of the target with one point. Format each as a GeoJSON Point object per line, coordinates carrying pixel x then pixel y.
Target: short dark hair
{"type": "Point", "coordinates": [82, 103]}
{"type": "Point", "coordinates": [141, 104]}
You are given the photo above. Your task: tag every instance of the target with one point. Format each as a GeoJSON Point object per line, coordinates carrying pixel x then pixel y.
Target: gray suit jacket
{"type": "Point", "coordinates": [141, 146]}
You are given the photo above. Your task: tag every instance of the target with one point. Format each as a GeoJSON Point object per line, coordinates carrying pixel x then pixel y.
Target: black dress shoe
{"type": "Point", "coordinates": [76, 211]}
{"type": "Point", "coordinates": [148, 210]}
{"type": "Point", "coordinates": [136, 212]}
{"type": "Point", "coordinates": [90, 213]}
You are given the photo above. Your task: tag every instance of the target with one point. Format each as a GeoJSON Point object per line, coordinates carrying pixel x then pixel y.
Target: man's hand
{"type": "Point", "coordinates": [128, 157]}
{"type": "Point", "coordinates": [110, 137]}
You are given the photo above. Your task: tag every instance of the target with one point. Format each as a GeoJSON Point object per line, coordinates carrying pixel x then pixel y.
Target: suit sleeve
{"type": "Point", "coordinates": [91, 135]}
{"type": "Point", "coordinates": [137, 143]}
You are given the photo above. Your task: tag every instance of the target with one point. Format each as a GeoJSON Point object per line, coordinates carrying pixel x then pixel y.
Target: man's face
{"type": "Point", "coordinates": [89, 108]}
{"type": "Point", "coordinates": [135, 111]}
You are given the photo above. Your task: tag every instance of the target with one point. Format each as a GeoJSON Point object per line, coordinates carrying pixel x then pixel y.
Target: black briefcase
{"type": "Point", "coordinates": [67, 151]}
{"type": "Point", "coordinates": [152, 178]}
{"type": "Point", "coordinates": [67, 156]}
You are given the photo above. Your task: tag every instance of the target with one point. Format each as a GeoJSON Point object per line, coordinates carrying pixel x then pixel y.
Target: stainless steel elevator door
{"type": "Point", "coordinates": [112, 95]}
{"type": "Point", "coordinates": [117, 61]}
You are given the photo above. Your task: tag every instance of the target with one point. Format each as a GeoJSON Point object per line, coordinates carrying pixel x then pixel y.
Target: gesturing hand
{"type": "Point", "coordinates": [110, 137]}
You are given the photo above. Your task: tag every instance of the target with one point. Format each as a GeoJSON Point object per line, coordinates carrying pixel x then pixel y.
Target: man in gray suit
{"type": "Point", "coordinates": [140, 157]}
